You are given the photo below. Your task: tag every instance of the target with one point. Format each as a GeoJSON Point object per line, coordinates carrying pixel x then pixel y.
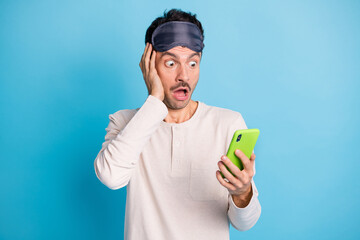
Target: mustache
{"type": "Point", "coordinates": [182, 84]}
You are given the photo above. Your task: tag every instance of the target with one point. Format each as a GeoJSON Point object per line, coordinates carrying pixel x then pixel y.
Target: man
{"type": "Point", "coordinates": [169, 153]}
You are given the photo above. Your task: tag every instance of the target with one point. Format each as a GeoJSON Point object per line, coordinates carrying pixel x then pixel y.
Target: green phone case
{"type": "Point", "coordinates": [245, 140]}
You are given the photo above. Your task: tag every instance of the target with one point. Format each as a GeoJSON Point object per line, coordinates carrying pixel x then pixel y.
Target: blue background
{"type": "Point", "coordinates": [290, 67]}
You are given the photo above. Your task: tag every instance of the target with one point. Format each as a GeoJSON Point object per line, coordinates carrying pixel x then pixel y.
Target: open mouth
{"type": "Point", "coordinates": [181, 94]}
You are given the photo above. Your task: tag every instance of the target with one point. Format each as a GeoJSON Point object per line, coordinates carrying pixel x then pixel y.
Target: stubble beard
{"type": "Point", "coordinates": [176, 105]}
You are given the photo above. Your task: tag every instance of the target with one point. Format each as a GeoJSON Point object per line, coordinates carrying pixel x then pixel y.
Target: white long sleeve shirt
{"type": "Point", "coordinates": [170, 173]}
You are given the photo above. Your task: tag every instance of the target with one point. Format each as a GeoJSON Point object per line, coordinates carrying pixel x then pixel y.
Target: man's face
{"type": "Point", "coordinates": [178, 69]}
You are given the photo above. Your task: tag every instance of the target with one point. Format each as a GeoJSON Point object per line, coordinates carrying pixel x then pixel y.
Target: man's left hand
{"type": "Point", "coordinates": [239, 184]}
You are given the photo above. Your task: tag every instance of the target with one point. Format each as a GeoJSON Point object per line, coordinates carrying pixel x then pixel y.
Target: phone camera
{"type": "Point", "coordinates": [238, 138]}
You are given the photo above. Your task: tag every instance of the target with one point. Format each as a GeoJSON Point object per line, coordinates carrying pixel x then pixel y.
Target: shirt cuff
{"type": "Point", "coordinates": [158, 103]}
{"type": "Point", "coordinates": [244, 218]}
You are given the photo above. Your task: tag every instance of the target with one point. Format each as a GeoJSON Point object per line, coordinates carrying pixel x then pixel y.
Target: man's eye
{"type": "Point", "coordinates": [192, 63]}
{"type": "Point", "coordinates": [170, 63]}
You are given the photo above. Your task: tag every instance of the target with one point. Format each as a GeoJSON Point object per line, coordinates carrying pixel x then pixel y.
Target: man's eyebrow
{"type": "Point", "coordinates": [194, 54]}
{"type": "Point", "coordinates": [175, 56]}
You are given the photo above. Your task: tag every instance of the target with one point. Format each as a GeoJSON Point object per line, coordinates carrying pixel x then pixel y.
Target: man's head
{"type": "Point", "coordinates": [177, 65]}
{"type": "Point", "coordinates": [171, 16]}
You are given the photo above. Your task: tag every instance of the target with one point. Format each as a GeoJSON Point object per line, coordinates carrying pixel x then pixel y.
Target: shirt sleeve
{"type": "Point", "coordinates": [243, 219]}
{"type": "Point", "coordinates": [124, 142]}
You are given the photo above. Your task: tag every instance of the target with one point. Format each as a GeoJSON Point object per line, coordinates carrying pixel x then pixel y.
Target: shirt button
{"type": "Point", "coordinates": [177, 143]}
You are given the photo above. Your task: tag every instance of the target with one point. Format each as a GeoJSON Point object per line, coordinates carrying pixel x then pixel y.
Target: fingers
{"type": "Point", "coordinates": [147, 57]}
{"type": "Point", "coordinates": [147, 62]}
{"type": "Point", "coordinates": [226, 162]}
{"type": "Point", "coordinates": [152, 61]}
{"type": "Point", "coordinates": [142, 61]}
{"type": "Point", "coordinates": [247, 163]}
{"type": "Point", "coordinates": [226, 184]}
{"type": "Point", "coordinates": [237, 181]}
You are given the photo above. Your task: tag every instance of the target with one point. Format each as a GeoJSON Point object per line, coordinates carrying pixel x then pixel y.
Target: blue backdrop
{"type": "Point", "coordinates": [290, 67]}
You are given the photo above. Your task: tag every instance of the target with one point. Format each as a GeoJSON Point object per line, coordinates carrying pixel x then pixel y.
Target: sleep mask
{"type": "Point", "coordinates": [177, 33]}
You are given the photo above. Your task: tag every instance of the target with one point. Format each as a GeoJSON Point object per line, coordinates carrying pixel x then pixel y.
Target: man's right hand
{"type": "Point", "coordinates": [152, 79]}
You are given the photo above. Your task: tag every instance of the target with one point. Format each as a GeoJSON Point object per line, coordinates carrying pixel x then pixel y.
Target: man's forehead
{"type": "Point", "coordinates": [179, 51]}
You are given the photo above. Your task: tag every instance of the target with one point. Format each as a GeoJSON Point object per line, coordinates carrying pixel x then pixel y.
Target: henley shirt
{"type": "Point", "coordinates": [169, 170]}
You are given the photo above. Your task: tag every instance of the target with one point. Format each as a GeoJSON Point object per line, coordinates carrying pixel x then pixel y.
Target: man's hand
{"type": "Point", "coordinates": [152, 79]}
{"type": "Point", "coordinates": [239, 184]}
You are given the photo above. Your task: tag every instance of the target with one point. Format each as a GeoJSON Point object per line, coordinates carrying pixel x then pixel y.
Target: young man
{"type": "Point", "coordinates": [169, 153]}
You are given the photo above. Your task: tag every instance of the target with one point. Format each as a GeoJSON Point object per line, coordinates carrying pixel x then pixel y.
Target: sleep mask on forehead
{"type": "Point", "coordinates": [177, 33]}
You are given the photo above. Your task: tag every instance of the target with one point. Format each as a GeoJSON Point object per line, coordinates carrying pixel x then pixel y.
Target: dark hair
{"type": "Point", "coordinates": [172, 15]}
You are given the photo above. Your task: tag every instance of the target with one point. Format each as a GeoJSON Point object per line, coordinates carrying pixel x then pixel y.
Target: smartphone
{"type": "Point", "coordinates": [245, 140]}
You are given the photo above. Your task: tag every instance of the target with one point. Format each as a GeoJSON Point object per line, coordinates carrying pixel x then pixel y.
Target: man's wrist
{"type": "Point", "coordinates": [242, 200]}
{"type": "Point", "coordinates": [159, 96]}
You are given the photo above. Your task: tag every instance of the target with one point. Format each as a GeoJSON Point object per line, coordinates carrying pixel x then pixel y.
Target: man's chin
{"type": "Point", "coordinates": [175, 104]}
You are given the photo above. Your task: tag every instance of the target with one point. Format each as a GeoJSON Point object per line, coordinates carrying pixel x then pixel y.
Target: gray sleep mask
{"type": "Point", "coordinates": [177, 33]}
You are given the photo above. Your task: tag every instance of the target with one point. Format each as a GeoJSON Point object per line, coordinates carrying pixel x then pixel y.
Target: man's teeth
{"type": "Point", "coordinates": [184, 91]}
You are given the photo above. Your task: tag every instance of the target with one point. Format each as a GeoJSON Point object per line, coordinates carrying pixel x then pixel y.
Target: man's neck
{"type": "Point", "coordinates": [181, 115]}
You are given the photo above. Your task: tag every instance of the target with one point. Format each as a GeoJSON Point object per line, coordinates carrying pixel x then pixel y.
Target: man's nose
{"type": "Point", "coordinates": [183, 74]}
